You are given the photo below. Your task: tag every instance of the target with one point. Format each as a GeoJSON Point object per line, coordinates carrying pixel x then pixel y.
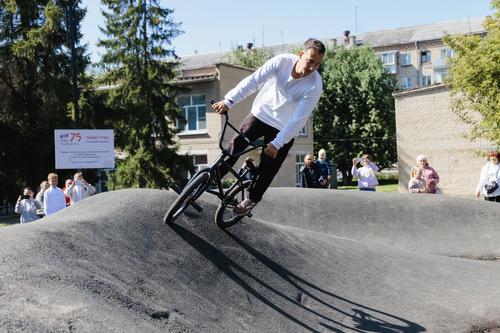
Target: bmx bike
{"type": "Point", "coordinates": [206, 178]}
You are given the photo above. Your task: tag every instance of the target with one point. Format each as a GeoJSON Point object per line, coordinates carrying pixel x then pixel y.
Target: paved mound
{"type": "Point", "coordinates": [309, 261]}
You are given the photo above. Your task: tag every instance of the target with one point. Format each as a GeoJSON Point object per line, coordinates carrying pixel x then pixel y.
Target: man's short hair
{"type": "Point", "coordinates": [52, 175]}
{"type": "Point", "coordinates": [313, 43]}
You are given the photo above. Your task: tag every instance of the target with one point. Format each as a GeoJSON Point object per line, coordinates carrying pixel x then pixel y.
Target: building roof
{"type": "Point", "coordinates": [421, 90]}
{"type": "Point", "coordinates": [422, 32]}
{"type": "Point", "coordinates": [202, 60]}
{"type": "Point", "coordinates": [374, 39]}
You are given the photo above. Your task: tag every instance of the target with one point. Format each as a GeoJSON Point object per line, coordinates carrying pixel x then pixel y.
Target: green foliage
{"type": "Point", "coordinates": [475, 79]}
{"type": "Point", "coordinates": [355, 114]}
{"type": "Point", "coordinates": [35, 81]}
{"type": "Point", "coordinates": [253, 58]}
{"type": "Point", "coordinates": [140, 66]}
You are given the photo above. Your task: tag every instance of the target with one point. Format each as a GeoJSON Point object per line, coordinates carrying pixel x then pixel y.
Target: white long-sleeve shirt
{"type": "Point", "coordinates": [367, 177]}
{"type": "Point", "coordinates": [78, 191]}
{"type": "Point", "coordinates": [53, 200]}
{"type": "Point", "coordinates": [283, 102]}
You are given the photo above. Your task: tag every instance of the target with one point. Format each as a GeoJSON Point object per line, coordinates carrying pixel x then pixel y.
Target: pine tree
{"type": "Point", "coordinates": [140, 65]}
{"type": "Point", "coordinates": [35, 75]}
{"type": "Point", "coordinates": [355, 114]}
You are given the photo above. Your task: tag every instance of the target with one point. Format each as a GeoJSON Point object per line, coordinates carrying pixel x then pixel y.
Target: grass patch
{"type": "Point", "coordinates": [385, 185]}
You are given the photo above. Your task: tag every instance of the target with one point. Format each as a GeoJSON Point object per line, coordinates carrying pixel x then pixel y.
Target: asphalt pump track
{"type": "Point", "coordinates": [308, 261]}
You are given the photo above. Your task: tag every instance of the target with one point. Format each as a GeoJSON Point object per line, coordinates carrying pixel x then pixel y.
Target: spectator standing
{"type": "Point", "coordinates": [27, 206]}
{"type": "Point", "coordinates": [417, 183]}
{"type": "Point", "coordinates": [367, 174]}
{"type": "Point", "coordinates": [428, 173]}
{"type": "Point", "coordinates": [43, 187]}
{"type": "Point", "coordinates": [325, 168]}
{"type": "Point", "coordinates": [310, 175]}
{"type": "Point", "coordinates": [53, 198]}
{"type": "Point", "coordinates": [67, 184]}
{"type": "Point", "coordinates": [490, 175]}
{"type": "Point", "coordinates": [79, 189]}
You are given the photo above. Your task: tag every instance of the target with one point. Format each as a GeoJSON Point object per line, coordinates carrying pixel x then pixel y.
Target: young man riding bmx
{"type": "Point", "coordinates": [291, 88]}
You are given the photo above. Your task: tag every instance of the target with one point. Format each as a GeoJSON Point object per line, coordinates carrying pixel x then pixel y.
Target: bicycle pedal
{"type": "Point", "coordinates": [250, 215]}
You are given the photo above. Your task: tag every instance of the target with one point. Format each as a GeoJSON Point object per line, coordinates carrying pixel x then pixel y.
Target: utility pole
{"type": "Point", "coordinates": [70, 11]}
{"type": "Point", "coordinates": [356, 20]}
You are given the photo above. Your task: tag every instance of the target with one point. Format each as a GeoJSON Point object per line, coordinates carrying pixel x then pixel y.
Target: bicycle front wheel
{"type": "Point", "coordinates": [224, 216]}
{"type": "Point", "coordinates": [190, 193]}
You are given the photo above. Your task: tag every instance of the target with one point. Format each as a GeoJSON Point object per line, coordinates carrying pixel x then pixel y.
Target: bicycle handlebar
{"type": "Point", "coordinates": [254, 144]}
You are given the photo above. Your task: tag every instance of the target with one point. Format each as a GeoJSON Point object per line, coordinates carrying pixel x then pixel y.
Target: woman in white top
{"type": "Point", "coordinates": [367, 174]}
{"type": "Point", "coordinates": [490, 175]}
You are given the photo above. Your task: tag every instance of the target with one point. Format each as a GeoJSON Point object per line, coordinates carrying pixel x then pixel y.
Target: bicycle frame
{"type": "Point", "coordinates": [215, 170]}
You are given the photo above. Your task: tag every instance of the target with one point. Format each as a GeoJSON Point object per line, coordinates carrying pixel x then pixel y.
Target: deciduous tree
{"type": "Point", "coordinates": [355, 114]}
{"type": "Point", "coordinates": [35, 76]}
{"type": "Point", "coordinates": [249, 58]}
{"type": "Point", "coordinates": [475, 79]}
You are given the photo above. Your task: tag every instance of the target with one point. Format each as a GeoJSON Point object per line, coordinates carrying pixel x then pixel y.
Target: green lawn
{"type": "Point", "coordinates": [385, 186]}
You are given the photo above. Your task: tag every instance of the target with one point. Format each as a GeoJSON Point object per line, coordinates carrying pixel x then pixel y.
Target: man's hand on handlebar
{"type": "Point", "coordinates": [271, 150]}
{"type": "Point", "coordinates": [220, 107]}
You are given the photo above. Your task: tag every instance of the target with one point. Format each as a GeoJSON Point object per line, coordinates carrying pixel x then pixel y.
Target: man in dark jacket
{"type": "Point", "coordinates": [310, 174]}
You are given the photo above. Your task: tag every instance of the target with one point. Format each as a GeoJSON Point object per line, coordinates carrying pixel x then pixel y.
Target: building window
{"type": "Point", "coordinates": [303, 131]}
{"type": "Point", "coordinates": [193, 113]}
{"type": "Point", "coordinates": [425, 57]}
{"type": "Point", "coordinates": [440, 75]}
{"type": "Point", "coordinates": [200, 162]}
{"type": "Point", "coordinates": [405, 59]}
{"type": "Point", "coordinates": [405, 83]}
{"type": "Point", "coordinates": [425, 80]}
{"type": "Point", "coordinates": [389, 62]}
{"type": "Point", "coordinates": [446, 53]}
{"type": "Point", "coordinates": [299, 163]}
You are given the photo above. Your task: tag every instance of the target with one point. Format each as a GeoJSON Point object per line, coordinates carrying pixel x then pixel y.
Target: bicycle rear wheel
{"type": "Point", "coordinates": [224, 216]}
{"type": "Point", "coordinates": [190, 193]}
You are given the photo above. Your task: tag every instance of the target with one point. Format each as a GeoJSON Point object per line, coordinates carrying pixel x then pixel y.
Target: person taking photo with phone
{"type": "Point", "coordinates": [79, 189]}
{"type": "Point", "coordinates": [367, 174]}
{"type": "Point", "coordinates": [27, 206]}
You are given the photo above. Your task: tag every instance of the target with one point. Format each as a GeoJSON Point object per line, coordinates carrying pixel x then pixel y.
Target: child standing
{"type": "Point", "coordinates": [53, 198]}
{"type": "Point", "coordinates": [417, 183]}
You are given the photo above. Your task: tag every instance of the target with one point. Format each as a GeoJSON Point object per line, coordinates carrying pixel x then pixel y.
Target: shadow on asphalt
{"type": "Point", "coordinates": [366, 319]}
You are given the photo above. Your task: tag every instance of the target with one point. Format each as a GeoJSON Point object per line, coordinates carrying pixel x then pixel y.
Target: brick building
{"type": "Point", "coordinates": [416, 55]}
{"type": "Point", "coordinates": [426, 125]}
